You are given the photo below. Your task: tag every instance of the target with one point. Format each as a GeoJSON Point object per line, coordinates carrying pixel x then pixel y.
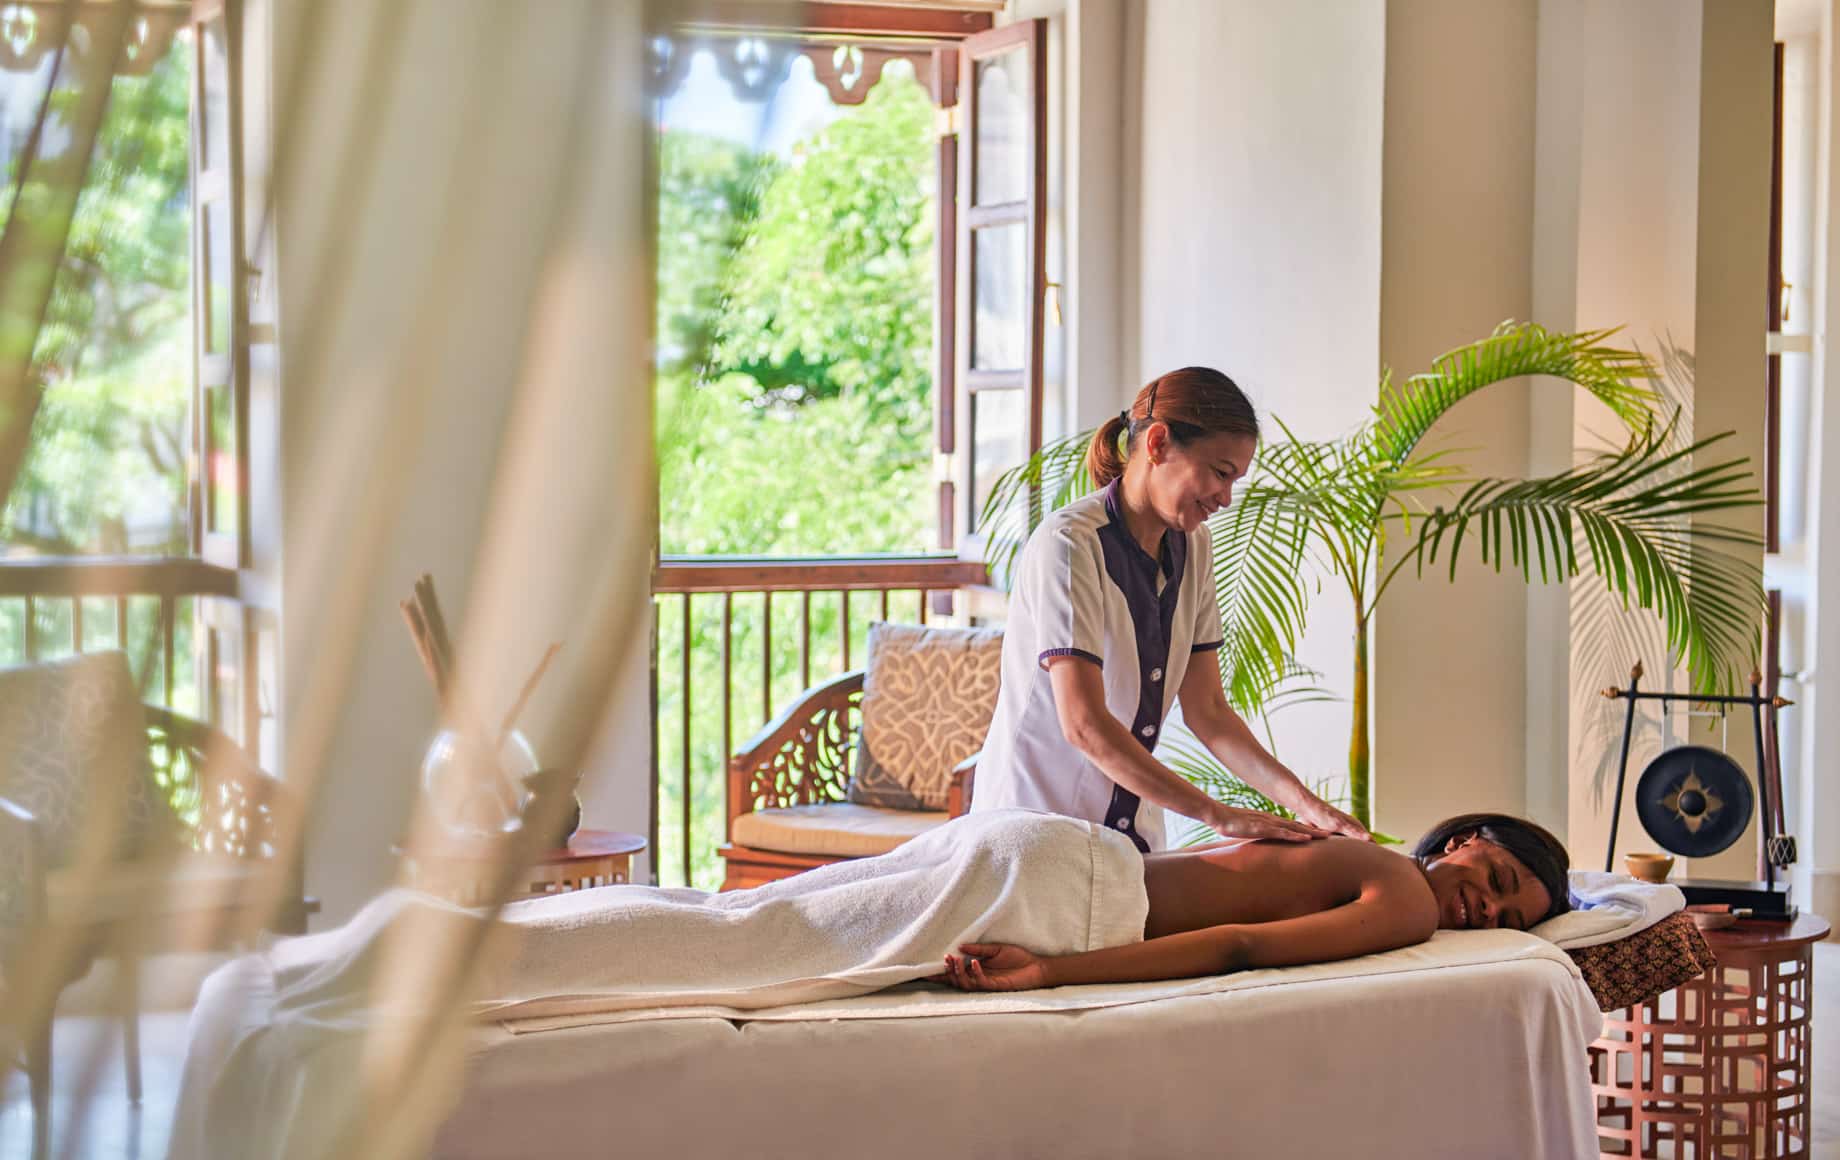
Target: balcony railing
{"type": "Point", "coordinates": [738, 637]}
{"type": "Point", "coordinates": [55, 606]}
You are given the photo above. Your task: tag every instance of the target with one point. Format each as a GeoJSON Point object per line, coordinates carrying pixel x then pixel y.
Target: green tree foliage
{"type": "Point", "coordinates": [795, 337]}
{"type": "Point", "coordinates": [832, 292]}
{"type": "Point", "coordinates": [114, 352]}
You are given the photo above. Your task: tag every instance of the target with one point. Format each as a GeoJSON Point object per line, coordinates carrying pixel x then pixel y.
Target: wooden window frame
{"type": "Point", "coordinates": [218, 181]}
{"type": "Point", "coordinates": [1031, 38]}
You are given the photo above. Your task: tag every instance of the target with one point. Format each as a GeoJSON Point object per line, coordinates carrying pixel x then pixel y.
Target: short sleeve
{"type": "Point", "coordinates": [1208, 634]}
{"type": "Point", "coordinates": [1062, 585]}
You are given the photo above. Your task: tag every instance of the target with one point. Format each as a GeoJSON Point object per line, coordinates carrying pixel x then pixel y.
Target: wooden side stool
{"type": "Point", "coordinates": [1719, 1065]}
{"type": "Point", "coordinates": [460, 872]}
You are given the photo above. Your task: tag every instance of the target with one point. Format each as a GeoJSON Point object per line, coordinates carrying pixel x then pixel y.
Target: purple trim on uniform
{"type": "Point", "coordinates": [1042, 660]}
{"type": "Point", "coordinates": [1153, 616]}
{"type": "Point", "coordinates": [1207, 647]}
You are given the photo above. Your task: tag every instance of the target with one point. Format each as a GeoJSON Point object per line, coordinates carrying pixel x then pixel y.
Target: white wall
{"type": "Point", "coordinates": [465, 393]}
{"type": "Point", "coordinates": [1449, 706]}
{"type": "Point", "coordinates": [1815, 653]}
{"type": "Point", "coordinates": [1654, 180]}
{"type": "Point", "coordinates": [1254, 241]}
{"type": "Point", "coordinates": [1318, 189]}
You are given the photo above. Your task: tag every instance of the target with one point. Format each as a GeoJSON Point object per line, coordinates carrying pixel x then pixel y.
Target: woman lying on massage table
{"type": "Point", "coordinates": [1008, 899]}
{"type": "Point", "coordinates": [1237, 905]}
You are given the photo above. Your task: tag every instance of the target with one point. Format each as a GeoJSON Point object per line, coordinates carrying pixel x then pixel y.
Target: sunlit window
{"type": "Point", "coordinates": [796, 280]}
{"type": "Point", "coordinates": [105, 470]}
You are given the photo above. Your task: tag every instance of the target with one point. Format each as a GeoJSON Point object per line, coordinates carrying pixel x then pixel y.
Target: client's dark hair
{"type": "Point", "coordinates": [1537, 850]}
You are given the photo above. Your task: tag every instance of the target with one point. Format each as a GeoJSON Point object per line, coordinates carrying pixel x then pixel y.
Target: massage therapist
{"type": "Point", "coordinates": [1113, 617]}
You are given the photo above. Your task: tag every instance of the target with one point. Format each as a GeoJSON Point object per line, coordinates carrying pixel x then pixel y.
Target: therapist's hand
{"type": "Point", "coordinates": [1321, 814]}
{"type": "Point", "coordinates": [1229, 822]}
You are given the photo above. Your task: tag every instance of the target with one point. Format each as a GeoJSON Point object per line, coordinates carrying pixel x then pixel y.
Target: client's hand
{"type": "Point", "coordinates": [993, 967]}
{"type": "Point", "coordinates": [1230, 822]}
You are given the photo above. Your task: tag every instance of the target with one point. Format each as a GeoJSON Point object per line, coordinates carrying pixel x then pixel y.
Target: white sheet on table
{"type": "Point", "coordinates": [1477, 1049]}
{"type": "Point", "coordinates": [1474, 1032]}
{"type": "Point", "coordinates": [1447, 948]}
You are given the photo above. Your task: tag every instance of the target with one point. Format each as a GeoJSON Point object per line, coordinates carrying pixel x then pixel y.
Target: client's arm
{"type": "Point", "coordinates": [1392, 911]}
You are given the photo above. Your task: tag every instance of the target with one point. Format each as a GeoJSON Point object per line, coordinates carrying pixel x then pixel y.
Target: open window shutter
{"type": "Point", "coordinates": [1001, 255]}
{"type": "Point", "coordinates": [220, 329]}
{"type": "Point", "coordinates": [220, 432]}
{"type": "Point", "coordinates": [945, 291]}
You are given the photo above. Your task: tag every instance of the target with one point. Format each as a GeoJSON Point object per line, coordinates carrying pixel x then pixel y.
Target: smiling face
{"type": "Point", "coordinates": [1188, 482]}
{"type": "Point", "coordinates": [1480, 886]}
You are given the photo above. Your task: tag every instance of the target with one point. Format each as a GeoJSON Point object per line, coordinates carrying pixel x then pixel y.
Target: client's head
{"type": "Point", "coordinates": [1490, 870]}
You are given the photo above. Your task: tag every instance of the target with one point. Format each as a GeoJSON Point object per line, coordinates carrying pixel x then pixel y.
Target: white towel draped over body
{"type": "Point", "coordinates": [1055, 885]}
{"type": "Point", "coordinates": [280, 1043]}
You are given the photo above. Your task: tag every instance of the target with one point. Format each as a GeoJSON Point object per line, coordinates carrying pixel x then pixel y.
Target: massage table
{"type": "Point", "coordinates": [790, 1022]}
{"type": "Point", "coordinates": [1473, 1044]}
{"type": "Point", "coordinates": [1446, 1049]}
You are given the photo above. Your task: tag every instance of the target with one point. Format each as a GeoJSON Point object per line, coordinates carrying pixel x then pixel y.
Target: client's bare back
{"type": "Point", "coordinates": [1253, 882]}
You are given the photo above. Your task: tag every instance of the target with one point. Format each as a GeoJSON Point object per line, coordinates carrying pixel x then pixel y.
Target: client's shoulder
{"type": "Point", "coordinates": [1374, 864]}
{"type": "Point", "coordinates": [1389, 876]}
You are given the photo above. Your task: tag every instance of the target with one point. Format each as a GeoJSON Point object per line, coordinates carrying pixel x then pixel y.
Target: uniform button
{"type": "Point", "coordinates": [1156, 674]}
{"type": "Point", "coordinates": [1149, 731]}
{"type": "Point", "coordinates": [1124, 823]}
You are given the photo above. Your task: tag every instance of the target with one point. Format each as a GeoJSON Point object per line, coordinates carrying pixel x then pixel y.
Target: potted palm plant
{"type": "Point", "coordinates": [1355, 508]}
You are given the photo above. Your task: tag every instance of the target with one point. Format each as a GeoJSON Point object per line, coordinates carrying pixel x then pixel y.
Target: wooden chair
{"type": "Point", "coordinates": [787, 811]}
{"type": "Point", "coordinates": [219, 874]}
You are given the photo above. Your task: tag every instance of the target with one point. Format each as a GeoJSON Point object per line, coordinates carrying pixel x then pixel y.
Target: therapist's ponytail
{"type": "Point", "coordinates": [1193, 402]}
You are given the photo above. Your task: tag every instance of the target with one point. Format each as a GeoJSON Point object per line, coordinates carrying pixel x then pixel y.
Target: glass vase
{"type": "Point", "coordinates": [472, 789]}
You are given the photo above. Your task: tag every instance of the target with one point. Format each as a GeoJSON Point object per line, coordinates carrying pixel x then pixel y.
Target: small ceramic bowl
{"type": "Point", "coordinates": [1649, 867]}
{"type": "Point", "coordinates": [1711, 917]}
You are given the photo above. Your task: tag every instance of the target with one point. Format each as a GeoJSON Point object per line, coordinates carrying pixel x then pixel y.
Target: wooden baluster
{"type": "Point", "coordinates": [728, 677]}
{"type": "Point", "coordinates": [844, 618]}
{"type": "Point", "coordinates": [884, 606]}
{"type": "Point", "coordinates": [76, 624]}
{"type": "Point", "coordinates": [805, 639]}
{"type": "Point", "coordinates": [31, 630]}
{"type": "Point", "coordinates": [766, 656]}
{"type": "Point", "coordinates": [923, 606]}
{"type": "Point", "coordinates": [654, 822]}
{"type": "Point", "coordinates": [168, 638]}
{"type": "Point", "coordinates": [685, 659]}
{"type": "Point", "coordinates": [121, 623]}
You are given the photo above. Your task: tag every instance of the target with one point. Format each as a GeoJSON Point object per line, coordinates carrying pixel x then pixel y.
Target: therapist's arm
{"type": "Point", "coordinates": [1227, 736]}
{"type": "Point", "coordinates": [1079, 700]}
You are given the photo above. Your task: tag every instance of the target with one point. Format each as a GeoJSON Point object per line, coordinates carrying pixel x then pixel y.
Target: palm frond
{"type": "Point", "coordinates": [1192, 761]}
{"type": "Point", "coordinates": [1612, 374]}
{"type": "Point", "coordinates": [1259, 579]}
{"type": "Point", "coordinates": [1053, 477]}
{"type": "Point", "coordinates": [1634, 512]}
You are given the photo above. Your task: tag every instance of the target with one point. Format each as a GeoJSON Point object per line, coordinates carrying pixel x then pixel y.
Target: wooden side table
{"type": "Point", "coordinates": [1719, 1065]}
{"type": "Point", "coordinates": [462, 870]}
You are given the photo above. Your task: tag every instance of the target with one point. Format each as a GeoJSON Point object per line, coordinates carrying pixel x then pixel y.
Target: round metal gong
{"type": "Point", "coordinates": [1694, 801]}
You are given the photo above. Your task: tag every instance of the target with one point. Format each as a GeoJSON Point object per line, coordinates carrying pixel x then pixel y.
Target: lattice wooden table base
{"type": "Point", "coordinates": [1717, 1067]}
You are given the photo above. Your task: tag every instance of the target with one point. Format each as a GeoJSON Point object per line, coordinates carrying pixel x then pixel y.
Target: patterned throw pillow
{"type": "Point", "coordinates": [73, 752]}
{"type": "Point", "coordinates": [928, 696]}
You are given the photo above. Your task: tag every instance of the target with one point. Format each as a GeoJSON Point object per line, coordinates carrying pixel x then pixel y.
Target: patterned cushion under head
{"type": "Point", "coordinates": [73, 744]}
{"type": "Point", "coordinates": [928, 696]}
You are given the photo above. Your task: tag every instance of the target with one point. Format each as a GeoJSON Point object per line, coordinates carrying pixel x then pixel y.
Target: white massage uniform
{"type": "Point", "coordinates": [1084, 588]}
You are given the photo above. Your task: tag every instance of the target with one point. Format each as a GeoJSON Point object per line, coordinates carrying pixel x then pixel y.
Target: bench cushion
{"type": "Point", "coordinates": [833, 829]}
